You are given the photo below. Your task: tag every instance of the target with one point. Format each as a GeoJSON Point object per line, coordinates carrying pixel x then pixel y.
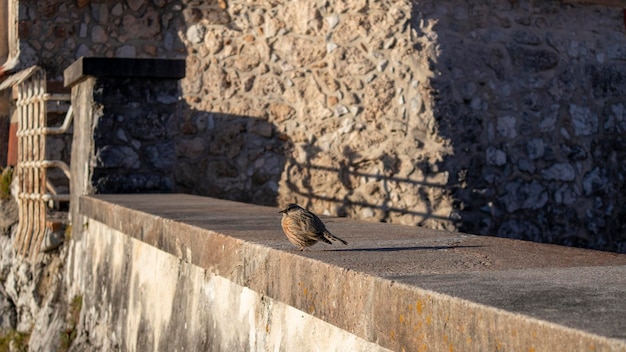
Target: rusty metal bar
{"type": "Point", "coordinates": [50, 163]}
{"type": "Point", "coordinates": [67, 122]}
{"type": "Point", "coordinates": [39, 84]}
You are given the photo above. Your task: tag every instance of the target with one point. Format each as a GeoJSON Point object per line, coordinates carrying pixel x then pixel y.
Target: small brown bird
{"type": "Point", "coordinates": [304, 228]}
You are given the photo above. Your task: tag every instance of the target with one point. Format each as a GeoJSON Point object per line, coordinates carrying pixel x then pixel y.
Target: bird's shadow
{"type": "Point", "coordinates": [396, 249]}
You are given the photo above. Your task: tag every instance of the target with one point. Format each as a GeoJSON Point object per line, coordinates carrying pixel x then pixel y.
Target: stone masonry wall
{"type": "Point", "coordinates": [531, 97]}
{"type": "Point", "coordinates": [342, 84]}
{"type": "Point", "coordinates": [54, 33]}
{"type": "Point", "coordinates": [494, 117]}
{"type": "Point", "coordinates": [133, 146]}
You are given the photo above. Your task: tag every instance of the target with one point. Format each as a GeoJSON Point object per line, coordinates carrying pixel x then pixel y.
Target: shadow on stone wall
{"type": "Point", "coordinates": [535, 121]}
{"type": "Point", "coordinates": [174, 148]}
{"type": "Point", "coordinates": [301, 178]}
{"type": "Point", "coordinates": [134, 145]}
{"type": "Point", "coordinates": [229, 156]}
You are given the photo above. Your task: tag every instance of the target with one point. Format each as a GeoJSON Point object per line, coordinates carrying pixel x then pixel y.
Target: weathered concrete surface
{"type": "Point", "coordinates": [403, 288]}
{"type": "Point", "coordinates": [139, 298]}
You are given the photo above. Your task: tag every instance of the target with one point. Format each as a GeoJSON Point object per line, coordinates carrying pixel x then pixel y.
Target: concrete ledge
{"type": "Point", "coordinates": [400, 287]}
{"type": "Point", "coordinates": [121, 67]}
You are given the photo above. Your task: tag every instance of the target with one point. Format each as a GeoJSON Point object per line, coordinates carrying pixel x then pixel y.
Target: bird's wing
{"type": "Point", "coordinates": [313, 226]}
{"type": "Point", "coordinates": [323, 233]}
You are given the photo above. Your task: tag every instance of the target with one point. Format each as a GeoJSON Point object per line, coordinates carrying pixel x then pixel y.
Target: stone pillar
{"type": "Point", "coordinates": [124, 110]}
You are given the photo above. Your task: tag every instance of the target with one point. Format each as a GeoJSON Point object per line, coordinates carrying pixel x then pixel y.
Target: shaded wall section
{"type": "Point", "coordinates": [530, 96]}
{"type": "Point", "coordinates": [124, 110]}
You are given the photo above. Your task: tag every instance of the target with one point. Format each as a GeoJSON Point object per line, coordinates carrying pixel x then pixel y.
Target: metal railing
{"type": "Point", "coordinates": [34, 190]}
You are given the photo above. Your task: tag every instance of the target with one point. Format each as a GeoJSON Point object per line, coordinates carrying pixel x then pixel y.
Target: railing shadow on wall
{"type": "Point", "coordinates": [247, 159]}
{"type": "Point", "coordinates": [243, 158]}
{"type": "Point", "coordinates": [297, 173]}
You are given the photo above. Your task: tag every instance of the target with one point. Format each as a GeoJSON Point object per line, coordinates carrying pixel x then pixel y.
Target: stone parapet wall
{"type": "Point", "coordinates": [205, 274]}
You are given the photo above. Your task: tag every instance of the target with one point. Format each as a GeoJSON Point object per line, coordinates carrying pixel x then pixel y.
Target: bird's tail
{"type": "Point", "coordinates": [332, 237]}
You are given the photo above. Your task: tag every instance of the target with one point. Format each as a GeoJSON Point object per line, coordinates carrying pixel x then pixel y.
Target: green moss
{"type": "Point", "coordinates": [5, 182]}
{"type": "Point", "coordinates": [13, 338]}
{"type": "Point", "coordinates": [69, 335]}
{"type": "Point", "coordinates": [68, 233]}
{"type": "Point", "coordinates": [75, 307]}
